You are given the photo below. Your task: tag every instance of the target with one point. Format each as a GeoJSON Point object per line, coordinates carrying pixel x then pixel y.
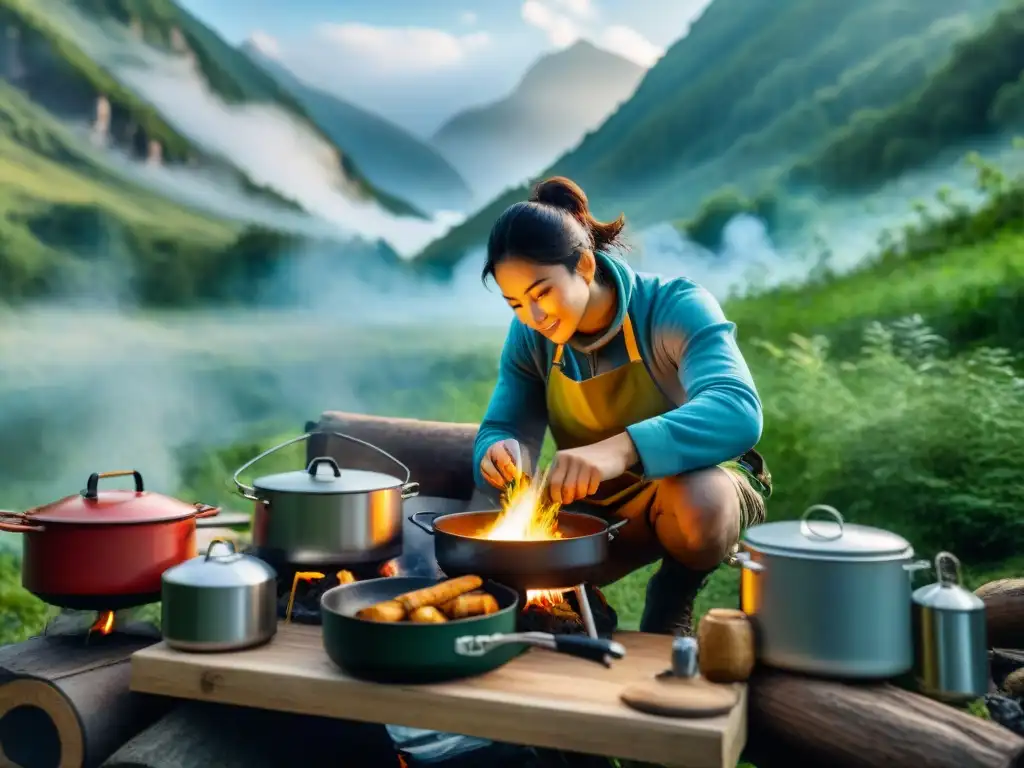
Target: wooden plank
{"type": "Point", "coordinates": [539, 699]}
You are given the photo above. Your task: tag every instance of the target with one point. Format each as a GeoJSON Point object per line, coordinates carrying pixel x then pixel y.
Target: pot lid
{"type": "Point", "coordinates": [221, 566]}
{"type": "Point", "coordinates": [324, 476]}
{"type": "Point", "coordinates": [948, 593]}
{"type": "Point", "coordinates": [114, 506]}
{"type": "Point", "coordinates": [833, 538]}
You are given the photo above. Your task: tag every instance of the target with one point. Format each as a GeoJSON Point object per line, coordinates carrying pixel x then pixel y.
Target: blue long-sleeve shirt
{"type": "Point", "coordinates": [688, 347]}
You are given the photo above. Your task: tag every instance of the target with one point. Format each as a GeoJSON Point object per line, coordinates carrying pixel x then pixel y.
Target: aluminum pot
{"type": "Point", "coordinates": [828, 597]}
{"type": "Point", "coordinates": [104, 549]}
{"type": "Point", "coordinates": [950, 637]}
{"type": "Point", "coordinates": [326, 515]}
{"type": "Point", "coordinates": [220, 601]}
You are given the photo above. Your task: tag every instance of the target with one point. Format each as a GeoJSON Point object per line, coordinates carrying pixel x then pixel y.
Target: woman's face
{"type": "Point", "coordinates": [549, 299]}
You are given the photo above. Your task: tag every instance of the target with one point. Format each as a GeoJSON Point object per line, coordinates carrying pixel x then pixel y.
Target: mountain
{"type": "Point", "coordinates": [389, 156]}
{"type": "Point", "coordinates": [754, 86]}
{"type": "Point", "coordinates": [48, 51]}
{"type": "Point", "coordinates": [559, 99]}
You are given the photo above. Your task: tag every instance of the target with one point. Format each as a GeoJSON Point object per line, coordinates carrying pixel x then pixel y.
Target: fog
{"type": "Point", "coordinates": [273, 148]}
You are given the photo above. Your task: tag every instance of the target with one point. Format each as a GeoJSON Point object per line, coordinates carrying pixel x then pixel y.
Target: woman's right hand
{"type": "Point", "coordinates": [504, 461]}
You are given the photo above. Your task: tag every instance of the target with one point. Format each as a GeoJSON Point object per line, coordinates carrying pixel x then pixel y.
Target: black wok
{"type": "Point", "coordinates": [562, 563]}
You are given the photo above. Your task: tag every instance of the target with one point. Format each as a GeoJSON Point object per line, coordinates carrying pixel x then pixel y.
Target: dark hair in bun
{"type": "Point", "coordinates": [554, 226]}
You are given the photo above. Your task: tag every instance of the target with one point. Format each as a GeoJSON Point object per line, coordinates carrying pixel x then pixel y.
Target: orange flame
{"type": "Point", "coordinates": [299, 576]}
{"type": "Point", "coordinates": [103, 625]}
{"type": "Point", "coordinates": [389, 569]}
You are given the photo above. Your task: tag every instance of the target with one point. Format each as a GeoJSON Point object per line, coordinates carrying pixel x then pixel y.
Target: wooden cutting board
{"type": "Point", "coordinates": [670, 696]}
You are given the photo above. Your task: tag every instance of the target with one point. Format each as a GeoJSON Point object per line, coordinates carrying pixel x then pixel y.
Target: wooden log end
{"type": "Point", "coordinates": [1004, 612]}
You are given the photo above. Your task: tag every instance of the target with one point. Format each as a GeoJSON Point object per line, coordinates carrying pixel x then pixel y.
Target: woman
{"type": "Point", "coordinates": [648, 398]}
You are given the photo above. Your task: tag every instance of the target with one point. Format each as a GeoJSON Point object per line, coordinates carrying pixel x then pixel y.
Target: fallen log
{"type": "Point", "coordinates": [65, 700]}
{"type": "Point", "coordinates": [438, 454]}
{"type": "Point", "coordinates": [794, 719]}
{"type": "Point", "coordinates": [202, 734]}
{"type": "Point", "coordinates": [1004, 612]}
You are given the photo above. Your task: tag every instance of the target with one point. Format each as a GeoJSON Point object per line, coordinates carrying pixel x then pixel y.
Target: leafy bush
{"type": "Point", "coordinates": [903, 436]}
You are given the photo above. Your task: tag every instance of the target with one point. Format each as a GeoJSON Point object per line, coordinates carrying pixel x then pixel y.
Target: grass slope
{"type": "Point", "coordinates": [776, 77]}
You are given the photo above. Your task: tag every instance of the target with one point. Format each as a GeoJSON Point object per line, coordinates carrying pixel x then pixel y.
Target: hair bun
{"type": "Point", "coordinates": [562, 193]}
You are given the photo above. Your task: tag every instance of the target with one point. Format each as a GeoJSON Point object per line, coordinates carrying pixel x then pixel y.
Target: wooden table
{"type": "Point", "coordinates": [539, 699]}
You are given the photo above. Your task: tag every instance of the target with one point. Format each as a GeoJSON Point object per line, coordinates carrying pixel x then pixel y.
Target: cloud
{"type": "Point", "coordinates": [582, 9]}
{"type": "Point", "coordinates": [265, 44]}
{"type": "Point", "coordinates": [468, 18]}
{"type": "Point", "coordinates": [562, 31]}
{"type": "Point", "coordinates": [403, 48]}
{"type": "Point", "coordinates": [630, 44]}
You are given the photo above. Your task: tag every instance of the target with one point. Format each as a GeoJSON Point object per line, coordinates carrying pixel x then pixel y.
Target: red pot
{"type": "Point", "coordinates": [104, 550]}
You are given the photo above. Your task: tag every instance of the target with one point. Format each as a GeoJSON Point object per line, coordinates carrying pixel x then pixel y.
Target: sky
{"type": "Point", "coordinates": [418, 62]}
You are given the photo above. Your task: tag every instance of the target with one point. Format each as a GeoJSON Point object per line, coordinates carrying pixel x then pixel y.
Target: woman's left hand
{"type": "Point", "coordinates": [577, 472]}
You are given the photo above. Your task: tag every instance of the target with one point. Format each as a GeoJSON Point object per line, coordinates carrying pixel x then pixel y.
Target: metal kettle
{"type": "Point", "coordinates": [950, 642]}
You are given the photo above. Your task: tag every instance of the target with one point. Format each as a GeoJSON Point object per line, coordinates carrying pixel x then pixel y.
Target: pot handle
{"type": "Point", "coordinates": [808, 531]}
{"type": "Point", "coordinates": [91, 491]}
{"type": "Point", "coordinates": [614, 528]}
{"type": "Point", "coordinates": [591, 648]}
{"type": "Point", "coordinates": [17, 527]}
{"type": "Point", "coordinates": [950, 576]}
{"type": "Point", "coordinates": [205, 510]}
{"type": "Point", "coordinates": [428, 526]}
{"type": "Point", "coordinates": [742, 561]}
{"type": "Point", "coordinates": [409, 490]}
{"type": "Point", "coordinates": [225, 542]}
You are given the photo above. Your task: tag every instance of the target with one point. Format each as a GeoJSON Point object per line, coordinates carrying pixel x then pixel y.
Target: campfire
{"type": "Point", "coordinates": [97, 626]}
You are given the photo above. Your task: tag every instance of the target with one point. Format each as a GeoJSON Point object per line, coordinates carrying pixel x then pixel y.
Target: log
{"type": "Point", "coordinates": [202, 734]}
{"type": "Point", "coordinates": [1004, 612]}
{"type": "Point", "coordinates": [795, 719]}
{"type": "Point", "coordinates": [439, 454]}
{"type": "Point", "coordinates": [65, 701]}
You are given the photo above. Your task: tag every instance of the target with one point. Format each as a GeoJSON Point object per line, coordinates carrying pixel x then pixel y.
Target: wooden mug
{"type": "Point", "coordinates": [725, 646]}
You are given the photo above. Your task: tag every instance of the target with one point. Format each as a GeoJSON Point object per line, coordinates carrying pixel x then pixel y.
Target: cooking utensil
{"type": "Point", "coordinates": [549, 564]}
{"type": "Point", "coordinates": [326, 515]}
{"type": "Point", "coordinates": [725, 638]}
{"type": "Point", "coordinates": [950, 641]}
{"type": "Point", "coordinates": [220, 601]}
{"type": "Point", "coordinates": [574, 645]}
{"type": "Point", "coordinates": [104, 549]}
{"type": "Point", "coordinates": [406, 652]}
{"type": "Point", "coordinates": [827, 597]}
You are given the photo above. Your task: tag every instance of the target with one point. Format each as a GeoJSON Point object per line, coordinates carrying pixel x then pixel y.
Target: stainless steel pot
{"type": "Point", "coordinates": [950, 638]}
{"type": "Point", "coordinates": [827, 597]}
{"type": "Point", "coordinates": [220, 601]}
{"type": "Point", "coordinates": [325, 515]}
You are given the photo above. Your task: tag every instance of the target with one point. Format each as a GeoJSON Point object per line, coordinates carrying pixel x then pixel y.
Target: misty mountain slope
{"type": "Point", "coordinates": [753, 86]}
{"type": "Point", "coordinates": [979, 92]}
{"type": "Point", "coordinates": [559, 99]}
{"type": "Point", "coordinates": [391, 158]}
{"type": "Point", "coordinates": [45, 53]}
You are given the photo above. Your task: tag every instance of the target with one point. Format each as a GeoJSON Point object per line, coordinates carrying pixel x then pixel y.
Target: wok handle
{"type": "Point", "coordinates": [92, 485]}
{"type": "Point", "coordinates": [428, 526]}
{"type": "Point", "coordinates": [590, 648]}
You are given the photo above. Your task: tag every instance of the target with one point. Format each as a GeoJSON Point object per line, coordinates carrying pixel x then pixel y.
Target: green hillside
{"type": "Point", "coordinates": [778, 76]}
{"type": "Point", "coordinates": [978, 92]}
{"type": "Point", "coordinates": [60, 75]}
{"type": "Point", "coordinates": [392, 158]}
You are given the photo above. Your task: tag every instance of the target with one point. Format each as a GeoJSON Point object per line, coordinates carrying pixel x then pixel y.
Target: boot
{"type": "Point", "coordinates": [668, 609]}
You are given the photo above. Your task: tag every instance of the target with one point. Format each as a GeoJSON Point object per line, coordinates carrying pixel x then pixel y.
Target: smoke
{"type": "Point", "coordinates": [272, 147]}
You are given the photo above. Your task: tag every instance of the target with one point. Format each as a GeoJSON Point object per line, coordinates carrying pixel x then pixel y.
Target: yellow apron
{"type": "Point", "coordinates": [585, 412]}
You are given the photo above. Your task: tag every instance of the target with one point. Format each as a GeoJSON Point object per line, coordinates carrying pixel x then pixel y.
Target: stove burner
{"type": "Point", "coordinates": [569, 616]}
{"type": "Point", "coordinates": [99, 626]}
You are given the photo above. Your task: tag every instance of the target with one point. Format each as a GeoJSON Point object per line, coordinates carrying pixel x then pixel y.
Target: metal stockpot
{"type": "Point", "coordinates": [950, 639]}
{"type": "Point", "coordinates": [219, 602]}
{"type": "Point", "coordinates": [325, 515]}
{"type": "Point", "coordinates": [827, 597]}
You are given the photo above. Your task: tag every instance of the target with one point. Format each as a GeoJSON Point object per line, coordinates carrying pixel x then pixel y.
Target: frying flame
{"type": "Point", "coordinates": [527, 514]}
{"type": "Point", "coordinates": [103, 625]}
{"type": "Point", "coordinates": [299, 576]}
{"type": "Point", "coordinates": [389, 569]}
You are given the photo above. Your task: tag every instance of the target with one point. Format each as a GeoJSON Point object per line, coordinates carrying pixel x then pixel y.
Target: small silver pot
{"type": "Point", "coordinates": [827, 597]}
{"type": "Point", "coordinates": [950, 637]}
{"type": "Point", "coordinates": [325, 515]}
{"type": "Point", "coordinates": [220, 601]}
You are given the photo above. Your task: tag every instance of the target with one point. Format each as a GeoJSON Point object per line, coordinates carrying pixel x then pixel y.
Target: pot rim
{"type": "Point", "coordinates": [828, 557]}
{"type": "Point", "coordinates": [519, 542]}
{"type": "Point", "coordinates": [259, 485]}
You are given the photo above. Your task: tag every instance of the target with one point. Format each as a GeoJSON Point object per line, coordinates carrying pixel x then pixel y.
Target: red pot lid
{"type": "Point", "coordinates": [113, 506]}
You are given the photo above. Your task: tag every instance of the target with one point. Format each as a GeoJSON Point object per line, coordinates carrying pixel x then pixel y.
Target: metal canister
{"type": "Point", "coordinates": [950, 643]}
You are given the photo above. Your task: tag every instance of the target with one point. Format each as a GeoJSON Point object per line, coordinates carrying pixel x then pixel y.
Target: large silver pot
{"type": "Point", "coordinates": [827, 597]}
{"type": "Point", "coordinates": [220, 601]}
{"type": "Point", "coordinates": [326, 515]}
